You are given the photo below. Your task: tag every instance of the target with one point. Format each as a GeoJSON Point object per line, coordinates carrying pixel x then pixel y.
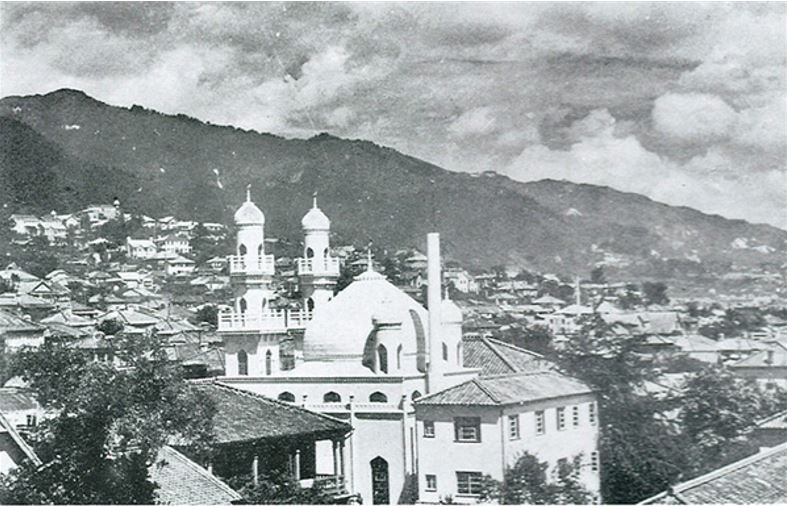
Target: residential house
{"type": "Point", "coordinates": [182, 481]}
{"type": "Point", "coordinates": [179, 266]}
{"type": "Point", "coordinates": [14, 450]}
{"type": "Point", "coordinates": [481, 427]}
{"type": "Point", "coordinates": [16, 332]}
{"type": "Point", "coordinates": [20, 408]}
{"type": "Point", "coordinates": [216, 264]}
{"type": "Point", "coordinates": [174, 244]}
{"type": "Point", "coordinates": [768, 367]}
{"type": "Point", "coordinates": [771, 431]}
{"type": "Point", "coordinates": [141, 249]}
{"type": "Point", "coordinates": [462, 280]}
{"type": "Point", "coordinates": [26, 224]}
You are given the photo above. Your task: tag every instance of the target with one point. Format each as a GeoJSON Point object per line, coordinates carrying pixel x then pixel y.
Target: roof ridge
{"type": "Point", "coordinates": [485, 390]}
{"type": "Point", "coordinates": [504, 359]}
{"type": "Point", "coordinates": [772, 417]}
{"type": "Point", "coordinates": [26, 449]}
{"type": "Point", "coordinates": [515, 347]}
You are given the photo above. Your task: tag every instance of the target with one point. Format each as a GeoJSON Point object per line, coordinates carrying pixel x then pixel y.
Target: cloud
{"type": "Point", "coordinates": [478, 121]}
{"type": "Point", "coordinates": [693, 117]}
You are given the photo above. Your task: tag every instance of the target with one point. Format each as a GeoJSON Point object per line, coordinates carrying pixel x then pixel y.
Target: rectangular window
{"type": "Point", "coordinates": [561, 418]}
{"type": "Point", "coordinates": [594, 461]}
{"type": "Point", "coordinates": [467, 429]}
{"type": "Point", "coordinates": [575, 415]}
{"type": "Point", "coordinates": [513, 427]}
{"type": "Point", "coordinates": [428, 428]}
{"type": "Point", "coordinates": [540, 422]}
{"type": "Point", "coordinates": [468, 483]}
{"type": "Point", "coordinates": [592, 413]}
{"type": "Point", "coordinates": [31, 420]}
{"type": "Point", "coordinates": [431, 483]}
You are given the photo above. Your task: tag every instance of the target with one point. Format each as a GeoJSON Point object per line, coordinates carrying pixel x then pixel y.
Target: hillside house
{"type": "Point", "coordinates": [174, 244]}
{"type": "Point", "coordinates": [462, 280]}
{"type": "Point", "coordinates": [179, 266]}
{"type": "Point", "coordinates": [141, 249]}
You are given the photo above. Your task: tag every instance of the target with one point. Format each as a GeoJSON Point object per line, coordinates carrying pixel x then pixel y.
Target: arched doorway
{"type": "Point", "coordinates": [380, 494]}
{"type": "Point", "coordinates": [268, 363]}
{"type": "Point", "coordinates": [243, 363]}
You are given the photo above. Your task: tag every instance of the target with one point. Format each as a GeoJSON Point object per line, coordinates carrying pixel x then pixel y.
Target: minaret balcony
{"type": "Point", "coordinates": [244, 264]}
{"type": "Point", "coordinates": [276, 320]}
{"type": "Point", "coordinates": [328, 266]}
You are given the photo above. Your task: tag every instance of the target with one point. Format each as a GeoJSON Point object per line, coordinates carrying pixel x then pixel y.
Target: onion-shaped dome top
{"type": "Point", "coordinates": [450, 312]}
{"type": "Point", "coordinates": [315, 219]}
{"type": "Point", "coordinates": [249, 213]}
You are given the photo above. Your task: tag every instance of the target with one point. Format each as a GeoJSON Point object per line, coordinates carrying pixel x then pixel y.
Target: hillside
{"type": "Point", "coordinates": [161, 164]}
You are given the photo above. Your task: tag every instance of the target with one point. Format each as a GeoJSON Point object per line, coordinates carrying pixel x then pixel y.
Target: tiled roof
{"type": "Point", "coordinates": [183, 481]}
{"type": "Point", "coordinates": [13, 323]}
{"type": "Point", "coordinates": [14, 399]}
{"type": "Point", "coordinates": [244, 416]}
{"type": "Point", "coordinates": [772, 358]}
{"type": "Point", "coordinates": [495, 357]}
{"type": "Point", "coordinates": [757, 479]}
{"type": "Point", "coordinates": [508, 389]}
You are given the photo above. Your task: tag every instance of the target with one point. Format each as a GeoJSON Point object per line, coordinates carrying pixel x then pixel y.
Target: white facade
{"type": "Point", "coordinates": [140, 248]}
{"type": "Point", "coordinates": [317, 270]}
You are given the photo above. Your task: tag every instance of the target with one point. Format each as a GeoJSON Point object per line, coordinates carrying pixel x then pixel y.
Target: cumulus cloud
{"type": "Point", "coordinates": [693, 116]}
{"type": "Point", "coordinates": [648, 97]}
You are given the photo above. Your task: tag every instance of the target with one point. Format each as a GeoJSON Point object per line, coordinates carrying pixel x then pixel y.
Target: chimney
{"type": "Point", "coordinates": [434, 374]}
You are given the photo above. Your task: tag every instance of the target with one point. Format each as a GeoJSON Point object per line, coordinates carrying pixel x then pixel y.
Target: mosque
{"type": "Point", "coordinates": [364, 355]}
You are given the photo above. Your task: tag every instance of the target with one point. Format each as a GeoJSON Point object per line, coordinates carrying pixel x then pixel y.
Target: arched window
{"type": "Point", "coordinates": [459, 358]}
{"type": "Point", "coordinates": [416, 395]}
{"type": "Point", "coordinates": [268, 359]}
{"type": "Point", "coordinates": [420, 340]}
{"type": "Point", "coordinates": [242, 305]}
{"type": "Point", "coordinates": [242, 250]}
{"type": "Point", "coordinates": [331, 397]}
{"type": "Point", "coordinates": [243, 363]}
{"type": "Point", "coordinates": [378, 397]}
{"type": "Point", "coordinates": [310, 304]}
{"type": "Point", "coordinates": [399, 357]}
{"type": "Point", "coordinates": [382, 359]}
{"type": "Point", "coordinates": [309, 253]}
{"type": "Point", "coordinates": [445, 353]}
{"type": "Point", "coordinates": [325, 253]}
{"type": "Point", "coordinates": [287, 397]}
{"type": "Point", "coordinates": [259, 250]}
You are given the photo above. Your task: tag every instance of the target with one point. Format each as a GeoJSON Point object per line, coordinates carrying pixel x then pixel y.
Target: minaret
{"type": "Point", "coordinates": [436, 368]}
{"type": "Point", "coordinates": [317, 270]}
{"type": "Point", "coordinates": [249, 349]}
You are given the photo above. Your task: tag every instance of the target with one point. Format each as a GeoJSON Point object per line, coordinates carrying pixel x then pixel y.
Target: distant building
{"type": "Point", "coordinates": [141, 249]}
{"type": "Point", "coordinates": [179, 266]}
{"type": "Point", "coordinates": [174, 244]}
{"type": "Point", "coordinates": [462, 280]}
{"type": "Point", "coordinates": [768, 367]}
{"type": "Point", "coordinates": [13, 448]}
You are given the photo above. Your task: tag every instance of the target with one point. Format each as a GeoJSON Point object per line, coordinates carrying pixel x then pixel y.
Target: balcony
{"type": "Point", "coordinates": [328, 266]}
{"type": "Point", "coordinates": [264, 264]}
{"type": "Point", "coordinates": [271, 321]}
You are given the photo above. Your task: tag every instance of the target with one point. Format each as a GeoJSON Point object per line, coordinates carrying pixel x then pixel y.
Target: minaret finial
{"type": "Point", "coordinates": [314, 200]}
{"type": "Point", "coordinates": [248, 192]}
{"type": "Point", "coordinates": [446, 297]}
{"type": "Point", "coordinates": [369, 257]}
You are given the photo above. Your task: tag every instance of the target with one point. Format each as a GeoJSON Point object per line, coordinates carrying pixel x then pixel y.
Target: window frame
{"type": "Point", "coordinates": [575, 416]}
{"type": "Point", "coordinates": [595, 462]}
{"type": "Point", "coordinates": [433, 486]}
{"type": "Point", "coordinates": [541, 422]}
{"type": "Point", "coordinates": [429, 431]}
{"type": "Point", "coordinates": [464, 422]}
{"type": "Point", "coordinates": [592, 415]}
{"type": "Point", "coordinates": [474, 479]}
{"type": "Point", "coordinates": [560, 418]}
{"type": "Point", "coordinates": [514, 431]}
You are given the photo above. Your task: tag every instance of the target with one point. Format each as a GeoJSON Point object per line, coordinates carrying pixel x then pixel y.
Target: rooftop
{"type": "Point", "coordinates": [183, 481]}
{"type": "Point", "coordinates": [495, 357]}
{"type": "Point", "coordinates": [757, 479]}
{"type": "Point", "coordinates": [508, 389]}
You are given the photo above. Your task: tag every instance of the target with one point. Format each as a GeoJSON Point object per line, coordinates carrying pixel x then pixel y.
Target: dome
{"type": "Point", "coordinates": [450, 312]}
{"type": "Point", "coordinates": [340, 327]}
{"type": "Point", "coordinates": [315, 219]}
{"type": "Point", "coordinates": [249, 214]}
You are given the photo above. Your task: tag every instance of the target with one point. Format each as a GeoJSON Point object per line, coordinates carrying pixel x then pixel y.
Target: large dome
{"type": "Point", "coordinates": [315, 219]}
{"type": "Point", "coordinates": [249, 214]}
{"type": "Point", "coordinates": [340, 327]}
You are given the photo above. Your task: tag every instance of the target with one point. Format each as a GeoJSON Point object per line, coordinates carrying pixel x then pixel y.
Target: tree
{"type": "Point", "coordinates": [718, 411]}
{"type": "Point", "coordinates": [345, 278]}
{"type": "Point", "coordinates": [526, 483]}
{"type": "Point", "coordinates": [597, 275]}
{"type": "Point", "coordinates": [110, 327]}
{"type": "Point", "coordinates": [278, 488]}
{"type": "Point", "coordinates": [631, 298]}
{"type": "Point", "coordinates": [655, 293]}
{"type": "Point", "coordinates": [109, 424]}
{"type": "Point", "coordinates": [208, 314]}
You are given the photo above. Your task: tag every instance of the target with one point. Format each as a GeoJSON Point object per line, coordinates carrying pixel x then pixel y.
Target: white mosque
{"type": "Point", "coordinates": [366, 355]}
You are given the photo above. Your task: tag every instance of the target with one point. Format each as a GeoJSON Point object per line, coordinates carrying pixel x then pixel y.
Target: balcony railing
{"type": "Point", "coordinates": [325, 266]}
{"type": "Point", "coordinates": [264, 264]}
{"type": "Point", "coordinates": [274, 320]}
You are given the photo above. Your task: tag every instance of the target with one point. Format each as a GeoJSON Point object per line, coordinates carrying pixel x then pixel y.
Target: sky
{"type": "Point", "coordinates": [683, 102]}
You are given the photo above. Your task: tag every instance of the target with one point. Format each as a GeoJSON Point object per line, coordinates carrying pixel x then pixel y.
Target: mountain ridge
{"type": "Point", "coordinates": [195, 169]}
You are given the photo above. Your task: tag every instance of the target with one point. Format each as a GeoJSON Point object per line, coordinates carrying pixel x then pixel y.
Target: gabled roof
{"type": "Point", "coordinates": [756, 479]}
{"type": "Point", "coordinates": [183, 481]}
{"type": "Point", "coordinates": [69, 319]}
{"type": "Point", "coordinates": [244, 416]}
{"type": "Point", "coordinates": [508, 389]}
{"type": "Point", "coordinates": [9, 322]}
{"type": "Point", "coordinates": [766, 358]}
{"type": "Point", "coordinates": [15, 399]}
{"type": "Point", "coordinates": [495, 357]}
{"type": "Point", "coordinates": [777, 421]}
{"type": "Point", "coordinates": [129, 317]}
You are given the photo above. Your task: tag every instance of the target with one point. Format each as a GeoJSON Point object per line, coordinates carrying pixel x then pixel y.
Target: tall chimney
{"type": "Point", "coordinates": [434, 374]}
